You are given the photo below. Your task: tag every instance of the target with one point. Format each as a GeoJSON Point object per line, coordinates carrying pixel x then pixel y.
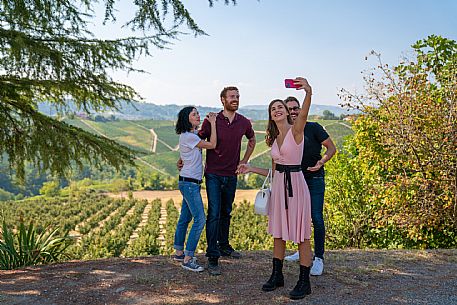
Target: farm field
{"type": "Point", "coordinates": [175, 195]}
{"type": "Point", "coordinates": [115, 226]}
{"type": "Point", "coordinates": [156, 141]}
{"type": "Point", "coordinates": [122, 247]}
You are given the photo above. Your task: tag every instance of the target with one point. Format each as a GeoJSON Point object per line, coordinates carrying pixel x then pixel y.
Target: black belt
{"type": "Point", "coordinates": [181, 178]}
{"type": "Point", "coordinates": [287, 169]}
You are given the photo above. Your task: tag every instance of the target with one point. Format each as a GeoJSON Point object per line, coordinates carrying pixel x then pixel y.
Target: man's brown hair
{"type": "Point", "coordinates": [224, 91]}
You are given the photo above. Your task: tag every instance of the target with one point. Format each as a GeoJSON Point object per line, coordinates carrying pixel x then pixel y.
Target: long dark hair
{"type": "Point", "coordinates": [272, 129]}
{"type": "Point", "coordinates": [183, 124]}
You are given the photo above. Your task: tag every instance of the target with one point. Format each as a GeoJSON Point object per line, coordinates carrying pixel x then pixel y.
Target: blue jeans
{"type": "Point", "coordinates": [192, 207]}
{"type": "Point", "coordinates": [221, 193]}
{"type": "Point", "coordinates": [316, 187]}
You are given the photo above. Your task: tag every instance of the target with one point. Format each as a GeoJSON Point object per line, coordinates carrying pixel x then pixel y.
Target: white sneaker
{"type": "Point", "coordinates": [293, 257]}
{"type": "Point", "coordinates": [318, 266]}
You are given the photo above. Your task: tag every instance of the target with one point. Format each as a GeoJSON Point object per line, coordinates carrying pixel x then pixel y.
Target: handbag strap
{"type": "Point", "coordinates": [267, 178]}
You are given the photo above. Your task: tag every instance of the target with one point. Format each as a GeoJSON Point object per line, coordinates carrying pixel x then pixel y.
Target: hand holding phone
{"type": "Point", "coordinates": [290, 83]}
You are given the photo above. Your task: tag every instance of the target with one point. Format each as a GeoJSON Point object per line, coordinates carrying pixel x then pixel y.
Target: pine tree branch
{"type": "Point", "coordinates": [48, 53]}
{"type": "Point", "coordinates": [29, 136]}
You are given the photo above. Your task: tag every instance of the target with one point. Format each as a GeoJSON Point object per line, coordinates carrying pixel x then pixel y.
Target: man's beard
{"type": "Point", "coordinates": [231, 107]}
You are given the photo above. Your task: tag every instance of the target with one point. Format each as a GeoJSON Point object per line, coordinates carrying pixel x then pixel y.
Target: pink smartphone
{"type": "Point", "coordinates": [290, 83]}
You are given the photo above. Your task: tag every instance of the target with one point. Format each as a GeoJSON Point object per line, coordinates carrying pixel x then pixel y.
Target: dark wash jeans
{"type": "Point", "coordinates": [221, 193]}
{"type": "Point", "coordinates": [316, 187]}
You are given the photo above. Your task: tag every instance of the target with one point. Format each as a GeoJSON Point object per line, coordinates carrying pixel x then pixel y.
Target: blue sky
{"type": "Point", "coordinates": [256, 44]}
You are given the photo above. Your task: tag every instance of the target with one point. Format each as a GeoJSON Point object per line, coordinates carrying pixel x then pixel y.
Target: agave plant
{"type": "Point", "coordinates": [24, 247]}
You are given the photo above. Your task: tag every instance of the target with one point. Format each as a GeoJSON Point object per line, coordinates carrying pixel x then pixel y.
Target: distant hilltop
{"type": "Point", "coordinates": [142, 111]}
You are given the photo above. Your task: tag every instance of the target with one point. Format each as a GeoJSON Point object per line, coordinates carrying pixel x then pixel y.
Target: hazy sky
{"type": "Point", "coordinates": [256, 44]}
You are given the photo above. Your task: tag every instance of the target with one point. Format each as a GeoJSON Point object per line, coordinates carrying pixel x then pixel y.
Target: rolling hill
{"type": "Point", "coordinates": [146, 111]}
{"type": "Point", "coordinates": [156, 141]}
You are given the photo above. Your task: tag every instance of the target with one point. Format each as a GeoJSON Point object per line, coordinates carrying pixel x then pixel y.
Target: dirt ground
{"type": "Point", "coordinates": [350, 277]}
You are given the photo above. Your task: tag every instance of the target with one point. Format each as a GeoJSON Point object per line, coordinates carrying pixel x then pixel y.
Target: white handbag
{"type": "Point", "coordinates": [262, 199]}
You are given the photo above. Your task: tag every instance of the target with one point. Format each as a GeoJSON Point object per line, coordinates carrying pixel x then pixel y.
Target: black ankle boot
{"type": "Point", "coordinates": [303, 286]}
{"type": "Point", "coordinates": [276, 279]}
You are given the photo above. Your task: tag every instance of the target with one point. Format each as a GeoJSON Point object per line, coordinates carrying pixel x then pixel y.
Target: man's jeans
{"type": "Point", "coordinates": [316, 187]}
{"type": "Point", "coordinates": [192, 207]}
{"type": "Point", "coordinates": [221, 193]}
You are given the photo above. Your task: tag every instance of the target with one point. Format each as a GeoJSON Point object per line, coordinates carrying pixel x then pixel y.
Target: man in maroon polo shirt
{"type": "Point", "coordinates": [221, 177]}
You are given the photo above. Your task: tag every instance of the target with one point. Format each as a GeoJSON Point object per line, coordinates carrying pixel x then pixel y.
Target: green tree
{"type": "Point", "coordinates": [328, 115]}
{"type": "Point", "coordinates": [4, 195]}
{"type": "Point", "coordinates": [120, 185]}
{"type": "Point", "coordinates": [50, 188]}
{"type": "Point", "coordinates": [406, 144]}
{"type": "Point", "coordinates": [49, 53]}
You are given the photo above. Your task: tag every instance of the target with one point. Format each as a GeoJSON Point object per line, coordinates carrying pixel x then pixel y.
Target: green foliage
{"type": "Point", "coordinates": [338, 131]}
{"type": "Point", "coordinates": [48, 53]}
{"type": "Point", "coordinates": [250, 181]}
{"type": "Point", "coordinates": [172, 220]}
{"type": "Point", "coordinates": [404, 153]}
{"type": "Point", "coordinates": [145, 175]}
{"type": "Point", "coordinates": [328, 115]}
{"type": "Point", "coordinates": [26, 247]}
{"type": "Point", "coordinates": [147, 242]}
{"type": "Point", "coordinates": [4, 195]}
{"type": "Point", "coordinates": [50, 188]}
{"type": "Point", "coordinates": [346, 210]}
{"type": "Point", "coordinates": [109, 232]}
{"type": "Point", "coordinates": [248, 231]}
{"type": "Point", "coordinates": [120, 185]}
{"type": "Point", "coordinates": [93, 220]}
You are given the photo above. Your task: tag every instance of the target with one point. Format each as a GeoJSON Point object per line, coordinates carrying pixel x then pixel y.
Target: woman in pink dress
{"type": "Point", "coordinates": [289, 216]}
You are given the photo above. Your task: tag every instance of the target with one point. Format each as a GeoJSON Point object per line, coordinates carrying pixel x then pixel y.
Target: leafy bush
{"type": "Point", "coordinates": [25, 247]}
{"type": "Point", "coordinates": [147, 242]}
{"type": "Point", "coordinates": [4, 195]}
{"type": "Point", "coordinates": [347, 210]}
{"type": "Point", "coordinates": [404, 157]}
{"type": "Point", "coordinates": [50, 188]}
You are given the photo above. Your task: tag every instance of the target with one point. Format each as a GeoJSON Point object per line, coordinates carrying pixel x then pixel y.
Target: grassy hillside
{"type": "Point", "coordinates": [141, 134]}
